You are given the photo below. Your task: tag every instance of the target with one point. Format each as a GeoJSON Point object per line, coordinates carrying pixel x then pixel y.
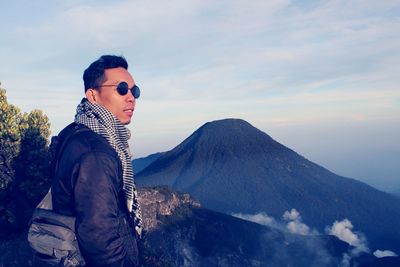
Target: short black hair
{"type": "Point", "coordinates": [94, 74]}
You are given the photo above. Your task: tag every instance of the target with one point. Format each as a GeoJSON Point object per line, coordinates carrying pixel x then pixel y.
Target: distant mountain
{"type": "Point", "coordinates": [395, 192]}
{"type": "Point", "coordinates": [141, 163]}
{"type": "Point", "coordinates": [231, 166]}
{"type": "Point", "coordinates": [382, 262]}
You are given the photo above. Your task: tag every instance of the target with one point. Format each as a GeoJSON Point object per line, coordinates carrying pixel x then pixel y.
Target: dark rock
{"type": "Point", "coordinates": [161, 201]}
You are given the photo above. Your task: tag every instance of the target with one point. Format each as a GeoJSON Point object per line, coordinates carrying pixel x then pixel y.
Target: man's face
{"type": "Point", "coordinates": [122, 106]}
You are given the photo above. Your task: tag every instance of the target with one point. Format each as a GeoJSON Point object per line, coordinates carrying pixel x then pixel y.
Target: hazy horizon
{"type": "Point", "coordinates": [320, 77]}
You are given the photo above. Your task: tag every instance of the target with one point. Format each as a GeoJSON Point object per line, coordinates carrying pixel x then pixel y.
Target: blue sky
{"type": "Point", "coordinates": [321, 77]}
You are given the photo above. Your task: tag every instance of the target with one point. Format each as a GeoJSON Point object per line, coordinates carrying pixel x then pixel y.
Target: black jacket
{"type": "Point", "coordinates": [88, 185]}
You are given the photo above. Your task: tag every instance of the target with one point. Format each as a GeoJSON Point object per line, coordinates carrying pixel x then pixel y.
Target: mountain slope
{"type": "Point", "coordinates": [141, 163]}
{"type": "Point", "coordinates": [231, 166]}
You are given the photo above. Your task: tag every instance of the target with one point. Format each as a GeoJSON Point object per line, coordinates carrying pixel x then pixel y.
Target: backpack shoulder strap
{"type": "Point", "coordinates": [62, 139]}
{"type": "Point", "coordinates": [57, 146]}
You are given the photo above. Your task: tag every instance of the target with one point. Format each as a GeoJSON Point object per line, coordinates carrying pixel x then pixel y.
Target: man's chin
{"type": "Point", "coordinates": [126, 122]}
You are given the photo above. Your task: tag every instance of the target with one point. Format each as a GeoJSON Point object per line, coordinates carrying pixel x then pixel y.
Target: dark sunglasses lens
{"type": "Point", "coordinates": [135, 91]}
{"type": "Point", "coordinates": [122, 88]}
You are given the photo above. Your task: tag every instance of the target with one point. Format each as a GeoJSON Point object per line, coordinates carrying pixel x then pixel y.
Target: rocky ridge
{"type": "Point", "coordinates": [161, 201]}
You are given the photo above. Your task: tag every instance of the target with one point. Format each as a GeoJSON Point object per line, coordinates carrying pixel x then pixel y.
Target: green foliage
{"type": "Point", "coordinates": [32, 163]}
{"type": "Point", "coordinates": [10, 118]}
{"type": "Point", "coordinates": [24, 162]}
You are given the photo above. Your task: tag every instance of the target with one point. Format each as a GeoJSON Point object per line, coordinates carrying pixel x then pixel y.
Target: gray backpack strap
{"type": "Point", "coordinates": [46, 202]}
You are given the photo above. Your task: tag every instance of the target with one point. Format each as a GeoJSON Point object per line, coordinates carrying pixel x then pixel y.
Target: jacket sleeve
{"type": "Point", "coordinates": [96, 204]}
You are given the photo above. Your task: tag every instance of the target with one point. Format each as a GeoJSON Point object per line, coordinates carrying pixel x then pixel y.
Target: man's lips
{"type": "Point", "coordinates": [129, 111]}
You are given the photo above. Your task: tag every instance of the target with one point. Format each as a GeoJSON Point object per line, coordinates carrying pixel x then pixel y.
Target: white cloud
{"type": "Point", "coordinates": [294, 225]}
{"type": "Point", "coordinates": [292, 215]}
{"type": "Point", "coordinates": [384, 253]}
{"type": "Point", "coordinates": [344, 231]}
{"type": "Point", "coordinates": [260, 218]}
{"type": "Point", "coordinates": [341, 229]}
{"type": "Point", "coordinates": [293, 222]}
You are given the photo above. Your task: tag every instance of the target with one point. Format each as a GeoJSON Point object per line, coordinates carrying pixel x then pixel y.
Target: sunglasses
{"type": "Point", "coordinates": [123, 88]}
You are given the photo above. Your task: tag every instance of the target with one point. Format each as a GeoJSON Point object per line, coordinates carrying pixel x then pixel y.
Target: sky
{"type": "Point", "coordinates": [320, 77]}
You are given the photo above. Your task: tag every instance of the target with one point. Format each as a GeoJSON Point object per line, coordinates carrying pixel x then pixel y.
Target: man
{"type": "Point", "coordinates": [94, 178]}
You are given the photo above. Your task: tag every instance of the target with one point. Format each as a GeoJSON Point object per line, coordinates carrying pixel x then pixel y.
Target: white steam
{"type": "Point", "coordinates": [260, 218]}
{"type": "Point", "coordinates": [343, 231]}
{"type": "Point", "coordinates": [293, 222]}
{"type": "Point", "coordinates": [294, 225]}
{"type": "Point", "coordinates": [384, 253]}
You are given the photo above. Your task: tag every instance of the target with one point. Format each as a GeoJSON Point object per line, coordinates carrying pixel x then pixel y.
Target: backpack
{"type": "Point", "coordinates": [52, 235]}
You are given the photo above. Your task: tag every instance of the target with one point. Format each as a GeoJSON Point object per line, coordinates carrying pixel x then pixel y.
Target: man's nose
{"type": "Point", "coordinates": [130, 97]}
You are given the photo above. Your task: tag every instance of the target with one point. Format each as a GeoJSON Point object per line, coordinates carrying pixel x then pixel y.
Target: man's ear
{"type": "Point", "coordinates": [91, 95]}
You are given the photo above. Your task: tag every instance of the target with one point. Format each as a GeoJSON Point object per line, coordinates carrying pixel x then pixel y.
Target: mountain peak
{"type": "Point", "coordinates": [229, 122]}
{"type": "Point", "coordinates": [225, 137]}
{"type": "Point", "coordinates": [221, 153]}
{"type": "Point", "coordinates": [229, 126]}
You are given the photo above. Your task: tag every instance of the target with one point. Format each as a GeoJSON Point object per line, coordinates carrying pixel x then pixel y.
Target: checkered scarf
{"type": "Point", "coordinates": [103, 122]}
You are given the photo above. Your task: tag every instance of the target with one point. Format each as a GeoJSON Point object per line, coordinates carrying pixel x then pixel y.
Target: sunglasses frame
{"type": "Point", "coordinates": [122, 89]}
